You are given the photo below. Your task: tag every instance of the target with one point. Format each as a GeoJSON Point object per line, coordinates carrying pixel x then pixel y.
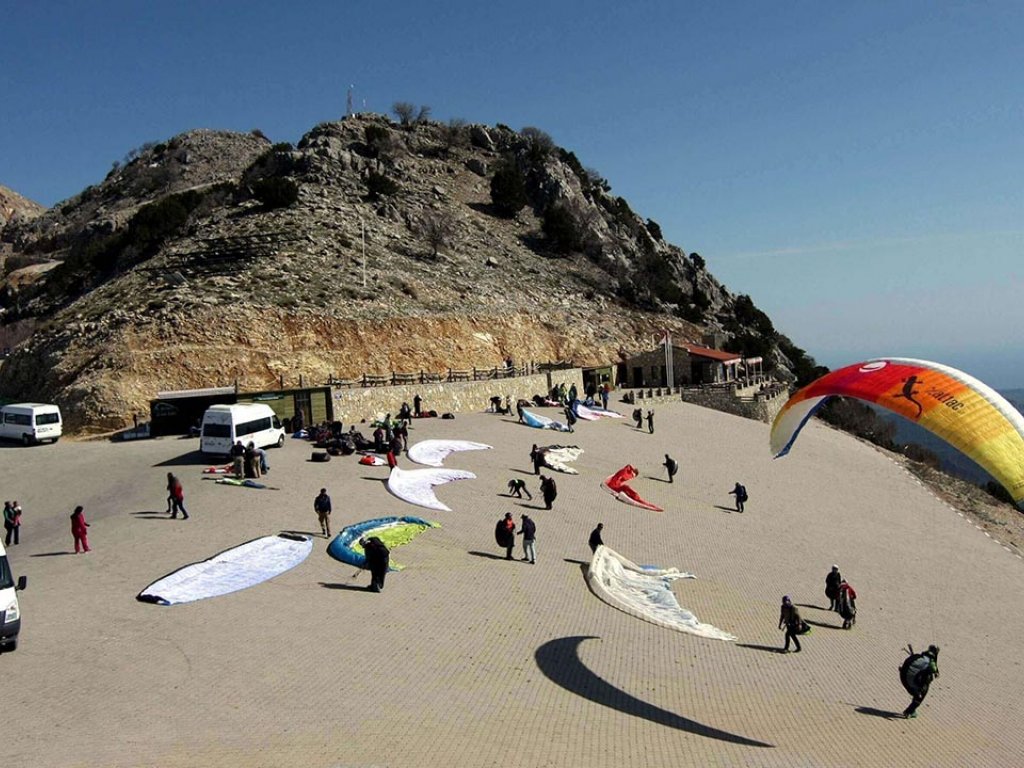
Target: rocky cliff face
{"type": "Point", "coordinates": [369, 247]}
{"type": "Point", "coordinates": [14, 207]}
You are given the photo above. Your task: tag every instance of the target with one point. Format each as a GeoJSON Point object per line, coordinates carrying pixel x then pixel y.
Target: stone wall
{"type": "Point", "coordinates": [354, 404]}
{"type": "Point", "coordinates": [761, 409]}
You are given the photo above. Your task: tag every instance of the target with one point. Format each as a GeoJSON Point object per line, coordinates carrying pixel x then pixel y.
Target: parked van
{"type": "Point", "coordinates": [224, 425]}
{"type": "Point", "coordinates": [30, 422]}
{"type": "Point", "coordinates": [10, 612]}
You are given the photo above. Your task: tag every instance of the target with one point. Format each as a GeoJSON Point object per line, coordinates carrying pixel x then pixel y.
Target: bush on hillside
{"type": "Point", "coordinates": [378, 185]}
{"type": "Point", "coordinates": [275, 192]}
{"type": "Point", "coordinates": [562, 229]}
{"type": "Point", "coordinates": [508, 189]}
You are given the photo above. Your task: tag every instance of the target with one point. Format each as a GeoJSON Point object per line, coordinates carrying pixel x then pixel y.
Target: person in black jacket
{"type": "Point", "coordinates": [832, 581]}
{"type": "Point", "coordinates": [505, 534]}
{"type": "Point", "coordinates": [378, 559]}
{"type": "Point", "coordinates": [789, 619]}
{"type": "Point", "coordinates": [537, 457]}
{"type": "Point", "coordinates": [671, 466]}
{"type": "Point", "coordinates": [548, 490]}
{"type": "Point", "coordinates": [528, 530]}
{"type": "Point", "coordinates": [595, 537]}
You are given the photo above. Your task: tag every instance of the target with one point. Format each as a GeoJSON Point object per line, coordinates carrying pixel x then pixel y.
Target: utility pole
{"type": "Point", "coordinates": [348, 102]}
{"type": "Point", "coordinates": [362, 231]}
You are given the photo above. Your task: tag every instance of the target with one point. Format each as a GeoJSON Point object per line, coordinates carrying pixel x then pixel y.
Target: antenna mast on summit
{"type": "Point", "coordinates": [348, 102]}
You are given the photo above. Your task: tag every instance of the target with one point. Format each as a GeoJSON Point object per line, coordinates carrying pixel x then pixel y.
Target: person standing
{"type": "Point", "coordinates": [789, 619]}
{"type": "Point", "coordinates": [322, 507]}
{"type": "Point", "coordinates": [416, 402]}
{"type": "Point", "coordinates": [10, 528]}
{"type": "Point", "coordinates": [78, 530]}
{"type": "Point", "coordinates": [605, 391]}
{"type": "Point", "coordinates": [537, 457]}
{"type": "Point", "coordinates": [237, 459]}
{"type": "Point", "coordinates": [570, 418]}
{"type": "Point", "coordinates": [638, 417]}
{"type": "Point", "coordinates": [378, 560]}
{"type": "Point", "coordinates": [650, 421]}
{"type": "Point", "coordinates": [505, 534]}
{"type": "Point", "coordinates": [740, 492]}
{"type": "Point", "coordinates": [595, 540]}
{"type": "Point", "coordinates": [528, 531]}
{"type": "Point", "coordinates": [252, 461]}
{"type": "Point", "coordinates": [176, 496]}
{"type": "Point", "coordinates": [548, 490]}
{"type": "Point", "coordinates": [832, 581]}
{"type": "Point", "coordinates": [847, 604]}
{"type": "Point", "coordinates": [671, 466]}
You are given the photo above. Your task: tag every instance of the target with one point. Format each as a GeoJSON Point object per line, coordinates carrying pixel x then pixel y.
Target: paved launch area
{"type": "Point", "coordinates": [469, 660]}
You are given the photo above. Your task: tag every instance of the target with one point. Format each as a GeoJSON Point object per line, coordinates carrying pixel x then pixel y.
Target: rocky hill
{"type": "Point", "coordinates": [370, 246]}
{"type": "Point", "coordinates": [14, 207]}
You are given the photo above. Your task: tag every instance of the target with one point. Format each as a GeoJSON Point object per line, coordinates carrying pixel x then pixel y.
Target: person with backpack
{"type": "Point", "coordinates": [916, 674]}
{"type": "Point", "coordinates": [832, 581]}
{"type": "Point", "coordinates": [528, 531]}
{"type": "Point", "coordinates": [548, 490]}
{"type": "Point", "coordinates": [638, 417]}
{"type": "Point", "coordinates": [847, 604]}
{"type": "Point", "coordinates": [322, 507]}
{"type": "Point", "coordinates": [790, 620]}
{"type": "Point", "coordinates": [570, 418]}
{"type": "Point", "coordinates": [378, 560]}
{"type": "Point", "coordinates": [595, 539]}
{"type": "Point", "coordinates": [740, 492]}
{"type": "Point", "coordinates": [671, 466]}
{"type": "Point", "coordinates": [505, 534]}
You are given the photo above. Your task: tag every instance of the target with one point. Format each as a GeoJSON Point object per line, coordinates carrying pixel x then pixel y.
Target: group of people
{"type": "Point", "coordinates": [505, 536]}
{"type": "Point", "coordinates": [248, 461]}
{"type": "Point", "coordinates": [638, 417]}
{"type": "Point", "coordinates": [548, 490]}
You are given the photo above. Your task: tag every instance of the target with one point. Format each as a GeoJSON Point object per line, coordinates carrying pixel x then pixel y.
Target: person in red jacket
{"type": "Point", "coordinates": [78, 530]}
{"type": "Point", "coordinates": [847, 604]}
{"type": "Point", "coordinates": [176, 496]}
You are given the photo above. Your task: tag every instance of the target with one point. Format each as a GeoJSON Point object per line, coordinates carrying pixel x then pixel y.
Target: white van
{"type": "Point", "coordinates": [224, 425]}
{"type": "Point", "coordinates": [10, 612]}
{"type": "Point", "coordinates": [30, 422]}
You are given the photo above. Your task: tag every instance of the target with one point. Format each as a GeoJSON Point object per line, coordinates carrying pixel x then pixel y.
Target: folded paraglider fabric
{"type": "Point", "coordinates": [240, 483]}
{"type": "Point", "coordinates": [393, 531]}
{"type": "Point", "coordinates": [593, 413]}
{"type": "Point", "coordinates": [416, 486]}
{"type": "Point", "coordinates": [618, 486]}
{"type": "Point", "coordinates": [372, 461]}
{"type": "Point", "coordinates": [230, 571]}
{"type": "Point", "coordinates": [224, 470]}
{"type": "Point", "coordinates": [543, 422]}
{"type": "Point", "coordinates": [433, 452]}
{"type": "Point", "coordinates": [645, 593]}
{"type": "Point", "coordinates": [557, 457]}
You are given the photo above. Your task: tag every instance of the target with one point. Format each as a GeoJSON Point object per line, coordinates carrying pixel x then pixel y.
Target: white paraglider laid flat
{"type": "Point", "coordinates": [645, 593]}
{"type": "Point", "coordinates": [230, 571]}
{"type": "Point", "coordinates": [433, 452]}
{"type": "Point", "coordinates": [416, 486]}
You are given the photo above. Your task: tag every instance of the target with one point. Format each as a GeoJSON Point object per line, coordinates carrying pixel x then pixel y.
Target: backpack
{"type": "Point", "coordinates": [915, 672]}
{"type": "Point", "coordinates": [741, 493]}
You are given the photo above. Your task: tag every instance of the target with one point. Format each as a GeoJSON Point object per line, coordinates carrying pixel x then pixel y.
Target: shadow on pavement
{"type": "Point", "coordinates": [885, 715]}
{"type": "Point", "coordinates": [350, 587]}
{"type": "Point", "coordinates": [192, 458]}
{"type": "Point", "coordinates": [765, 648]}
{"type": "Point", "coordinates": [816, 607]}
{"type": "Point", "coordinates": [488, 555]}
{"type": "Point", "coordinates": [575, 562]}
{"type": "Point", "coordinates": [52, 554]}
{"type": "Point", "coordinates": [659, 479]}
{"type": "Point", "coordinates": [532, 506]}
{"type": "Point", "coordinates": [560, 662]}
{"type": "Point", "coordinates": [311, 534]}
{"type": "Point", "coordinates": [522, 471]}
{"type": "Point", "coordinates": [819, 624]}
{"type": "Point", "coordinates": [725, 509]}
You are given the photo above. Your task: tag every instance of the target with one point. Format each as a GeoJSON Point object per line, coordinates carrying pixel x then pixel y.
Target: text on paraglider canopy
{"type": "Point", "coordinates": [945, 398]}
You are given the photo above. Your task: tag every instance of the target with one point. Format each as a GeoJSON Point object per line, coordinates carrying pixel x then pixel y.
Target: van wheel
{"type": "Point", "coordinates": [280, 442]}
{"type": "Point", "coordinates": [54, 441]}
{"type": "Point", "coordinates": [25, 440]}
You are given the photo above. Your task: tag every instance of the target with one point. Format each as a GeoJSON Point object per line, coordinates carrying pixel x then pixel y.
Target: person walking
{"type": "Point", "coordinates": [671, 466]}
{"type": "Point", "coordinates": [78, 530]}
{"type": "Point", "coordinates": [650, 421]}
{"type": "Point", "coordinates": [537, 457]}
{"type": "Point", "coordinates": [595, 540]}
{"type": "Point", "coordinates": [176, 496]}
{"type": "Point", "coordinates": [916, 674]}
{"type": "Point", "coordinates": [505, 534]}
{"type": "Point", "coordinates": [832, 581]}
{"type": "Point", "coordinates": [789, 619]}
{"type": "Point", "coordinates": [528, 531]}
{"type": "Point", "coordinates": [570, 418]}
{"type": "Point", "coordinates": [10, 524]}
{"type": "Point", "coordinates": [638, 417]}
{"type": "Point", "coordinates": [847, 604]}
{"type": "Point", "coordinates": [378, 560]}
{"type": "Point", "coordinates": [605, 391]}
{"type": "Point", "coordinates": [322, 507]}
{"type": "Point", "coordinates": [740, 492]}
{"type": "Point", "coordinates": [517, 487]}
{"type": "Point", "coordinates": [548, 490]}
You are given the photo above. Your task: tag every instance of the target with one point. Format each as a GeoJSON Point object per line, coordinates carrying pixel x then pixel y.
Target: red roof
{"type": "Point", "coordinates": [712, 354]}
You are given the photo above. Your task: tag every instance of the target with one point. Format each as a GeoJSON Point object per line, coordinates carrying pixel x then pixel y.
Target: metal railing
{"type": "Point", "coordinates": [398, 378]}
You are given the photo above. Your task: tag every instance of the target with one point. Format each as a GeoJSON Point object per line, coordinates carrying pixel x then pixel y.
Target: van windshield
{"type": "Point", "coordinates": [217, 430]}
{"type": "Point", "coordinates": [47, 418]}
{"type": "Point", "coordinates": [6, 580]}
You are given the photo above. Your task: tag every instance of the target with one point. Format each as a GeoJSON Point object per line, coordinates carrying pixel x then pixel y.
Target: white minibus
{"type": "Point", "coordinates": [30, 422]}
{"type": "Point", "coordinates": [224, 425]}
{"type": "Point", "coordinates": [10, 612]}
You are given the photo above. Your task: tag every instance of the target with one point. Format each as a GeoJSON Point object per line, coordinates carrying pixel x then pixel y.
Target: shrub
{"type": "Point", "coordinates": [698, 260]}
{"type": "Point", "coordinates": [437, 228]}
{"type": "Point", "coordinates": [378, 185]}
{"type": "Point", "coordinates": [654, 229]}
{"type": "Point", "coordinates": [508, 189]}
{"type": "Point", "coordinates": [259, 134]}
{"type": "Point", "coordinates": [539, 143]}
{"type": "Point", "coordinates": [276, 192]}
{"type": "Point", "coordinates": [562, 229]}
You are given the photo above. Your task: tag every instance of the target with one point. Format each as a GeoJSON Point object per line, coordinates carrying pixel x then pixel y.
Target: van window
{"type": "Point", "coordinates": [217, 430]}
{"type": "Point", "coordinates": [250, 427]}
{"type": "Point", "coordinates": [47, 418]}
{"type": "Point", "coordinates": [6, 579]}
{"type": "Point", "coordinates": [21, 419]}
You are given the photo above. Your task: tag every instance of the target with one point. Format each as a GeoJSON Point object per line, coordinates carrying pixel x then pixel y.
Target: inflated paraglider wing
{"type": "Point", "coordinates": [234, 569]}
{"type": "Point", "coordinates": [645, 593]}
{"type": "Point", "coordinates": [618, 486]}
{"type": "Point", "coordinates": [416, 486]}
{"type": "Point", "coordinates": [433, 452]}
{"type": "Point", "coordinates": [963, 411]}
{"type": "Point", "coordinates": [543, 422]}
{"type": "Point", "coordinates": [393, 531]}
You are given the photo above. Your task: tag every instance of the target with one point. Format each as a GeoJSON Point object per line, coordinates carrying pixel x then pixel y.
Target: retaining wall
{"type": "Point", "coordinates": [354, 404]}
{"type": "Point", "coordinates": [760, 409]}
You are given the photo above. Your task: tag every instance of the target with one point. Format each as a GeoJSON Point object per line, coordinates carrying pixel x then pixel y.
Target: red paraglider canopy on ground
{"type": "Point", "coordinates": [618, 486]}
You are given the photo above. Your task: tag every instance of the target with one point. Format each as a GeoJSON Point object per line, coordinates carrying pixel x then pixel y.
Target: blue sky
{"type": "Point", "coordinates": [855, 169]}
